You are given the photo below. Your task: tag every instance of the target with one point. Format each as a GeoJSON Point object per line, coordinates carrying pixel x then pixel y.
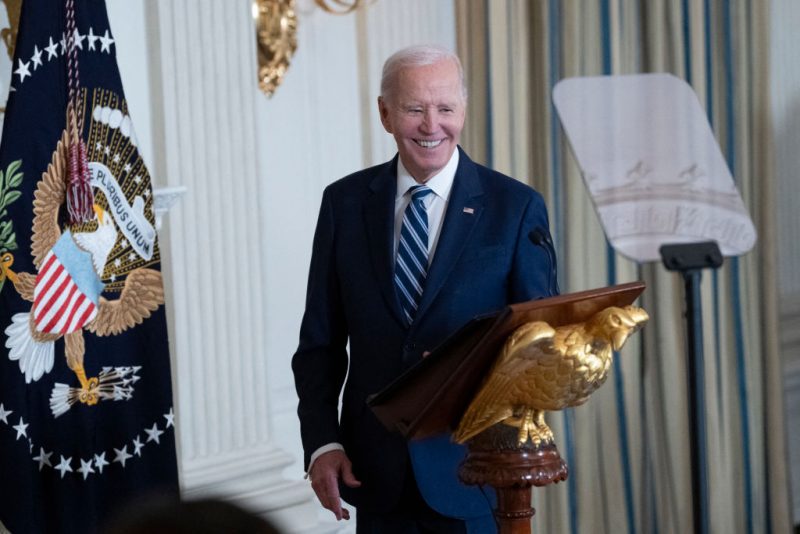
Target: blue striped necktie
{"type": "Point", "coordinates": [412, 252]}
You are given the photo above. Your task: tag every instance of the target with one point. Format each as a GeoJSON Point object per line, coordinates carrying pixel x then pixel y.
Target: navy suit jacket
{"type": "Point", "coordinates": [484, 260]}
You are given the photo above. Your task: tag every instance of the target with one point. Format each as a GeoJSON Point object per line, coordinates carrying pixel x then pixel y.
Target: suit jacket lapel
{"type": "Point", "coordinates": [379, 221]}
{"type": "Point", "coordinates": [458, 224]}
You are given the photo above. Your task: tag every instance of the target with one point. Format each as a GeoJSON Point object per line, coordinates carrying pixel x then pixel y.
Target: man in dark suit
{"type": "Point", "coordinates": [395, 269]}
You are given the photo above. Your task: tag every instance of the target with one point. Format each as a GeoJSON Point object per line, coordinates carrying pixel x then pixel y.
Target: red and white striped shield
{"type": "Point", "coordinates": [59, 306]}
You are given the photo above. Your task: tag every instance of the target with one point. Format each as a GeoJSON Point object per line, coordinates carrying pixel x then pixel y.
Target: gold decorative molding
{"type": "Point", "coordinates": [276, 41]}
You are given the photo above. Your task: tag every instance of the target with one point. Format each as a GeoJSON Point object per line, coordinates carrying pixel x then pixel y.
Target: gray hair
{"type": "Point", "coordinates": [417, 56]}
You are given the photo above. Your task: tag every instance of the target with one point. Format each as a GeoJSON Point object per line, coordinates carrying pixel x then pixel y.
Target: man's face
{"type": "Point", "coordinates": [425, 113]}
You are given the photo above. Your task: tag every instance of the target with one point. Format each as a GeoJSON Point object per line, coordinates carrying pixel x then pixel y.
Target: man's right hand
{"type": "Point", "coordinates": [325, 474]}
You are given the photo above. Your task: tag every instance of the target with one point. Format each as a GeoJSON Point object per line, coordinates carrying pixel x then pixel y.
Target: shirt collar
{"type": "Point", "coordinates": [440, 183]}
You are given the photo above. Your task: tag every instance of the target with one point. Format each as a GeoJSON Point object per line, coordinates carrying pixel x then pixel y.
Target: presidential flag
{"type": "Point", "coordinates": [86, 417]}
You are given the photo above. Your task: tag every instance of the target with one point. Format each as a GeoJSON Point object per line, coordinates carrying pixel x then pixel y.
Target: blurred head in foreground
{"type": "Point", "coordinates": [187, 517]}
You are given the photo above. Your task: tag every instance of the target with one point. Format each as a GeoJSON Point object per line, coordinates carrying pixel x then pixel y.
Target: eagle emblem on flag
{"type": "Point", "coordinates": [66, 293]}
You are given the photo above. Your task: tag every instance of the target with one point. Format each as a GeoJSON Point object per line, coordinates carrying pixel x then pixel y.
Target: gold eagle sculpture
{"type": "Point", "coordinates": [542, 368]}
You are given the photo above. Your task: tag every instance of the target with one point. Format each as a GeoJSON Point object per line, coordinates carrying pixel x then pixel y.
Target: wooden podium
{"type": "Point", "coordinates": [431, 398]}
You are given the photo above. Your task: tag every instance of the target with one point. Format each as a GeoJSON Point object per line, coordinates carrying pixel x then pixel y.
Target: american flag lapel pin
{"type": "Point", "coordinates": [470, 211]}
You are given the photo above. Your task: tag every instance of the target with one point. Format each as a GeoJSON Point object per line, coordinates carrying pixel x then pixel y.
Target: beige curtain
{"type": "Point", "coordinates": [628, 447]}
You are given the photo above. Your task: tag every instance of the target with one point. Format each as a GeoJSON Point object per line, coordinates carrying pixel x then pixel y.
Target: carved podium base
{"type": "Point", "coordinates": [497, 459]}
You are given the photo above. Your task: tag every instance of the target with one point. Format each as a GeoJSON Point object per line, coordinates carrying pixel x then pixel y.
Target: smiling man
{"type": "Point", "coordinates": [424, 107]}
{"type": "Point", "coordinates": [404, 254]}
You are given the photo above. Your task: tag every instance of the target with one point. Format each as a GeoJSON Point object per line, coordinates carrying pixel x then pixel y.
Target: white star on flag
{"type": "Point", "coordinates": [21, 428]}
{"type": "Point", "coordinates": [52, 50]}
{"type": "Point", "coordinates": [92, 38]}
{"type": "Point", "coordinates": [37, 57]}
{"type": "Point", "coordinates": [86, 468]}
{"type": "Point", "coordinates": [122, 455]}
{"type": "Point", "coordinates": [170, 417]}
{"type": "Point", "coordinates": [105, 42]}
{"type": "Point", "coordinates": [64, 466]}
{"type": "Point", "coordinates": [77, 39]}
{"type": "Point", "coordinates": [43, 458]}
{"type": "Point", "coordinates": [100, 462]}
{"type": "Point", "coordinates": [137, 446]}
{"type": "Point", "coordinates": [153, 433]}
{"type": "Point", "coordinates": [4, 414]}
{"type": "Point", "coordinates": [126, 167]}
{"type": "Point", "coordinates": [22, 70]}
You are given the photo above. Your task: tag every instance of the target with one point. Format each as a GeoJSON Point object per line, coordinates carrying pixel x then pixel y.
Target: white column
{"type": "Point", "coordinates": [203, 94]}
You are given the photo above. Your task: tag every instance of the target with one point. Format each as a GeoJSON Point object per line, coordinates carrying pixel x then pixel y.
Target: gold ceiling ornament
{"type": "Point", "coordinates": [340, 7]}
{"type": "Point", "coordinates": [9, 35]}
{"type": "Point", "coordinates": [276, 40]}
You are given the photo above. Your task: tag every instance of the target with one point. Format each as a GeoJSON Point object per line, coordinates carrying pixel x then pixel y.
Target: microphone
{"type": "Point", "coordinates": [541, 238]}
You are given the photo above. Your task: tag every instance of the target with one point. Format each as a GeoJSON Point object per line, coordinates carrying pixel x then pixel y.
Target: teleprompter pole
{"type": "Point", "coordinates": [689, 259]}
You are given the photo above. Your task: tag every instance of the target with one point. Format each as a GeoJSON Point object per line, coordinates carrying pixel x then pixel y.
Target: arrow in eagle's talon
{"type": "Point", "coordinates": [113, 383]}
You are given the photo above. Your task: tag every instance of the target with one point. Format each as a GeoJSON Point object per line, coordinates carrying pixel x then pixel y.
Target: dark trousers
{"type": "Point", "coordinates": [412, 515]}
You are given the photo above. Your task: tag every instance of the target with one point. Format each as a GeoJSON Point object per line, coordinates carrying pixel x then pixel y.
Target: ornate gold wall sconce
{"type": "Point", "coordinates": [276, 35]}
{"type": "Point", "coordinates": [276, 40]}
{"type": "Point", "coordinates": [9, 35]}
